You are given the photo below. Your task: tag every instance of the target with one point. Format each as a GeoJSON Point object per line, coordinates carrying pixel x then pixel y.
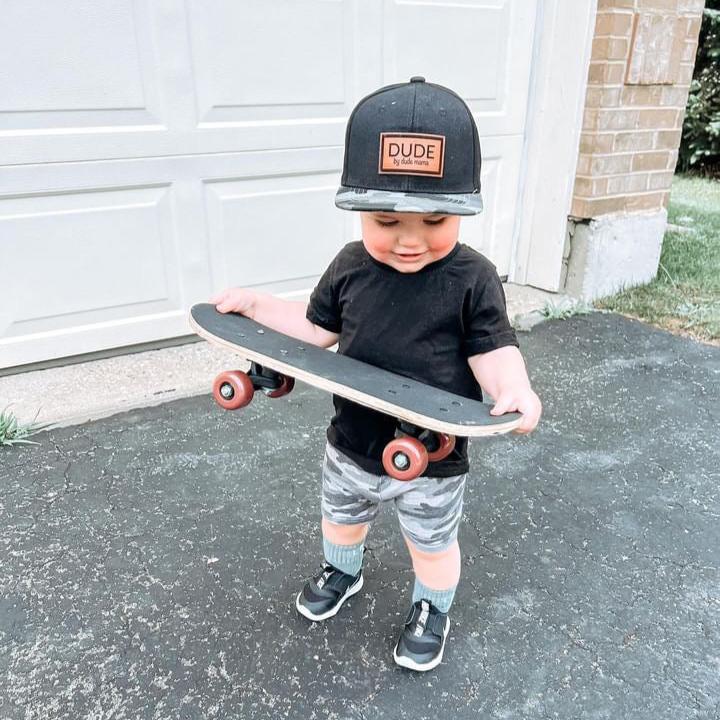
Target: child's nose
{"type": "Point", "coordinates": [411, 239]}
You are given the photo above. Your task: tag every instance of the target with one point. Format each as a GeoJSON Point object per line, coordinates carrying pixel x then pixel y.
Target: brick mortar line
{"type": "Point", "coordinates": [588, 132]}
{"type": "Point", "coordinates": [633, 108]}
{"type": "Point", "coordinates": [633, 86]}
{"type": "Point", "coordinates": [616, 108]}
{"type": "Point", "coordinates": [625, 174]}
{"type": "Point", "coordinates": [607, 61]}
{"type": "Point", "coordinates": [636, 105]}
{"type": "Point", "coordinates": [685, 14]}
{"type": "Point", "coordinates": [629, 152]}
{"type": "Point", "coordinates": [658, 191]}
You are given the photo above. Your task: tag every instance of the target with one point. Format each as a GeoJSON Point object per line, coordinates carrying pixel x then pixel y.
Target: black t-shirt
{"type": "Point", "coordinates": [422, 325]}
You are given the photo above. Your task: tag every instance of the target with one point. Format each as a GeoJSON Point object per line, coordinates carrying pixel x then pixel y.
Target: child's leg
{"type": "Point", "coordinates": [344, 534]}
{"type": "Point", "coordinates": [343, 545]}
{"type": "Point", "coordinates": [429, 512]}
{"type": "Point", "coordinates": [439, 570]}
{"type": "Point", "coordinates": [349, 504]}
{"type": "Point", "coordinates": [422, 641]}
{"type": "Point", "coordinates": [436, 575]}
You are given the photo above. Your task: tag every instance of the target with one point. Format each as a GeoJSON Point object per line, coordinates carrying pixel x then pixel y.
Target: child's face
{"type": "Point", "coordinates": [409, 241]}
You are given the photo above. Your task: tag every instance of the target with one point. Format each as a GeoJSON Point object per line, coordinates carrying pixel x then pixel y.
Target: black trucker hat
{"type": "Point", "coordinates": [411, 147]}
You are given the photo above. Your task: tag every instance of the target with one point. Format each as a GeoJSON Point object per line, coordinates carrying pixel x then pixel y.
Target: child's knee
{"type": "Point", "coordinates": [432, 557]}
{"type": "Point", "coordinates": [439, 569]}
{"type": "Point", "coordinates": [344, 534]}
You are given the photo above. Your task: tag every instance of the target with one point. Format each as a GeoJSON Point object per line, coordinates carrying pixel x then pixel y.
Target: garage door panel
{"type": "Point", "coordinates": [90, 338]}
{"type": "Point", "coordinates": [88, 257]}
{"type": "Point", "coordinates": [235, 51]}
{"type": "Point", "coordinates": [491, 232]}
{"type": "Point", "coordinates": [83, 65]}
{"type": "Point", "coordinates": [503, 155]}
{"type": "Point", "coordinates": [273, 229]}
{"type": "Point", "coordinates": [461, 43]}
{"type": "Point", "coordinates": [472, 47]}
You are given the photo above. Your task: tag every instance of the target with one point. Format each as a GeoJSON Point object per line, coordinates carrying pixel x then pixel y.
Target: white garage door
{"type": "Point", "coordinates": [152, 152]}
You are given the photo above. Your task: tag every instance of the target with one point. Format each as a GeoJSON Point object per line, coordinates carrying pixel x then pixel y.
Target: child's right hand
{"type": "Point", "coordinates": [236, 300]}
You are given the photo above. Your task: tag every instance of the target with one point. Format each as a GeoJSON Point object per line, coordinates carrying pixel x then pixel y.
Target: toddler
{"type": "Point", "coordinates": [410, 298]}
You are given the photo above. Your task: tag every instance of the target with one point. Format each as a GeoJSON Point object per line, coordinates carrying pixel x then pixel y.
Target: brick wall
{"type": "Point", "coordinates": [641, 66]}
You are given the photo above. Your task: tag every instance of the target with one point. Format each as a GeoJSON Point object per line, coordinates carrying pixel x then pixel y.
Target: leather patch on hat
{"type": "Point", "coordinates": [412, 154]}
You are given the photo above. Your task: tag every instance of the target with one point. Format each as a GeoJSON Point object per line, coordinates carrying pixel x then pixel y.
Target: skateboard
{"type": "Point", "coordinates": [428, 418]}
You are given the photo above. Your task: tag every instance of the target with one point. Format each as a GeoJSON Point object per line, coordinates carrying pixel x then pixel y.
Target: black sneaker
{"type": "Point", "coordinates": [421, 645]}
{"type": "Point", "coordinates": [324, 595]}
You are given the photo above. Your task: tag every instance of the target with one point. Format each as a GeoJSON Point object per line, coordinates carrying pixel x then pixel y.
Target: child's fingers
{"type": "Point", "coordinates": [223, 302]}
{"type": "Point", "coordinates": [531, 411]}
{"type": "Point", "coordinates": [526, 425]}
{"type": "Point", "coordinates": [504, 404]}
{"type": "Point", "coordinates": [225, 306]}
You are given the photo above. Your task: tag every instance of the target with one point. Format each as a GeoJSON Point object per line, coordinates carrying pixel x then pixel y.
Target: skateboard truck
{"type": "Point", "coordinates": [404, 458]}
{"type": "Point", "coordinates": [234, 389]}
{"type": "Point", "coordinates": [407, 456]}
{"type": "Point", "coordinates": [427, 418]}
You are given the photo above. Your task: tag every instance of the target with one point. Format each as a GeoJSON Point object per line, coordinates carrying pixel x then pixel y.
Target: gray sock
{"type": "Point", "coordinates": [441, 599]}
{"type": "Point", "coordinates": [347, 558]}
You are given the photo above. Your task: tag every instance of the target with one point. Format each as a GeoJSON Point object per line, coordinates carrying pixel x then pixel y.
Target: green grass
{"type": "Point", "coordinates": [13, 433]}
{"type": "Point", "coordinates": [562, 312]}
{"type": "Point", "coordinates": [685, 294]}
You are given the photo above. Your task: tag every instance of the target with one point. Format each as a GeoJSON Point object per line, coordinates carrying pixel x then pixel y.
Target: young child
{"type": "Point", "coordinates": [411, 299]}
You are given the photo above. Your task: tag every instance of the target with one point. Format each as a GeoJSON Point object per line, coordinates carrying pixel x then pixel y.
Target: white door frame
{"type": "Point", "coordinates": [561, 58]}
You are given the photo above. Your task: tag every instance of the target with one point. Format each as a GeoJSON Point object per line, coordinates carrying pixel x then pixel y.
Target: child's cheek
{"type": "Point", "coordinates": [383, 242]}
{"type": "Point", "coordinates": [444, 239]}
{"type": "Point", "coordinates": [442, 243]}
{"type": "Point", "coordinates": [378, 247]}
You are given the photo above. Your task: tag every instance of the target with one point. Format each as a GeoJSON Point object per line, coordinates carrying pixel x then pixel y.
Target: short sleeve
{"type": "Point", "coordinates": [323, 308]}
{"type": "Point", "coordinates": [486, 322]}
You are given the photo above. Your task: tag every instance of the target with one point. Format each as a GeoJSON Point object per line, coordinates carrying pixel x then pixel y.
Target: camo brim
{"type": "Point", "coordinates": [348, 198]}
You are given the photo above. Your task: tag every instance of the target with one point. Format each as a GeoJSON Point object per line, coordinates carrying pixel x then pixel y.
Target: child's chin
{"type": "Point", "coordinates": [409, 266]}
{"type": "Point", "coordinates": [404, 268]}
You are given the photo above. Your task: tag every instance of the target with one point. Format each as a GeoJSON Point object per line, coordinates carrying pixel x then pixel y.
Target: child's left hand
{"type": "Point", "coordinates": [522, 400]}
{"type": "Point", "coordinates": [502, 374]}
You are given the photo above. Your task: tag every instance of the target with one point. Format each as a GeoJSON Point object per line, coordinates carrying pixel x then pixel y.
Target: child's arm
{"type": "Point", "coordinates": [503, 375]}
{"type": "Point", "coordinates": [285, 316]}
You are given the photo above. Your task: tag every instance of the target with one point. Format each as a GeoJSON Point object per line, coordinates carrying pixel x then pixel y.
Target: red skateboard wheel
{"type": "Point", "coordinates": [233, 389]}
{"type": "Point", "coordinates": [447, 445]}
{"type": "Point", "coordinates": [286, 385]}
{"type": "Point", "coordinates": [405, 458]}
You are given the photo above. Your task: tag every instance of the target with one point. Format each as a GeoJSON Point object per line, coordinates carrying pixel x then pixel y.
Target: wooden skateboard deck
{"type": "Point", "coordinates": [417, 404]}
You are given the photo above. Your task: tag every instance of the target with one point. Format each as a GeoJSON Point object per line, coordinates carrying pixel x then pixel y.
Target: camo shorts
{"type": "Point", "coordinates": [429, 509]}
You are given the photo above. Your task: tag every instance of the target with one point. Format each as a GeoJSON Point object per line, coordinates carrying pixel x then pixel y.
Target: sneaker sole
{"type": "Point", "coordinates": [324, 616]}
{"type": "Point", "coordinates": [412, 665]}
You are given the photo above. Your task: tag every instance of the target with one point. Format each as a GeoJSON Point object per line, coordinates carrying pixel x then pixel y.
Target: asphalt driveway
{"type": "Point", "coordinates": [149, 562]}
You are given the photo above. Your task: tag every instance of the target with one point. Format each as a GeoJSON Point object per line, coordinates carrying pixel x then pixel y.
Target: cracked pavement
{"type": "Point", "coordinates": [150, 560]}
